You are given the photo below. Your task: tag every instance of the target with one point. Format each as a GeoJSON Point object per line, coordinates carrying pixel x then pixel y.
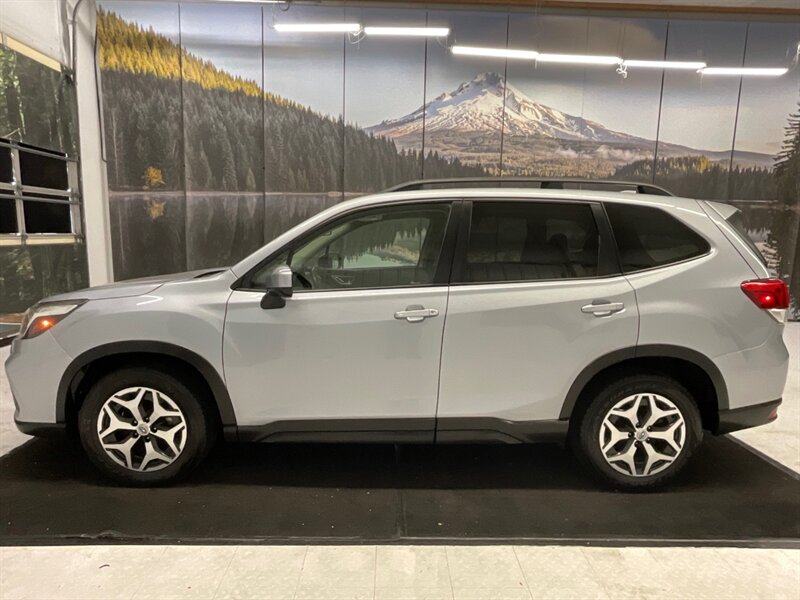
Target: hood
{"type": "Point", "coordinates": [130, 287]}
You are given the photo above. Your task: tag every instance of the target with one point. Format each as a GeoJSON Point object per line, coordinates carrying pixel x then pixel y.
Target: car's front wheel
{"type": "Point", "coordinates": [142, 426]}
{"type": "Point", "coordinates": [639, 431]}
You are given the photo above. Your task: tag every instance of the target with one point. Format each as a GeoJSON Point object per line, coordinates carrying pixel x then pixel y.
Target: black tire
{"type": "Point", "coordinates": [201, 429]}
{"type": "Point", "coordinates": [587, 432]}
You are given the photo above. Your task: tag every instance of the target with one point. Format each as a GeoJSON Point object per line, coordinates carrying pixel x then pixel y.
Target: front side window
{"type": "Point", "coordinates": [376, 248]}
{"type": "Point", "coordinates": [648, 237]}
{"type": "Point", "coordinates": [529, 241]}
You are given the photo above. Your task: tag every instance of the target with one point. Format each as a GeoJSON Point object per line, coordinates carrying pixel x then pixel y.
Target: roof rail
{"type": "Point", "coordinates": [555, 183]}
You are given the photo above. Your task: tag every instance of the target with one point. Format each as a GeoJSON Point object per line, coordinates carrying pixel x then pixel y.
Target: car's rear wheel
{"type": "Point", "coordinates": [141, 426]}
{"type": "Point", "coordinates": [638, 432]}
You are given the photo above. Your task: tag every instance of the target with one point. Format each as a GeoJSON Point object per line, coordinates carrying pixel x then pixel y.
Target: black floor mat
{"type": "Point", "coordinates": [357, 493]}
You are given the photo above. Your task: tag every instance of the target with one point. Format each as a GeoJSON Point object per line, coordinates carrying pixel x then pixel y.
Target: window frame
{"type": "Point", "coordinates": [608, 265]}
{"type": "Point", "coordinates": [443, 268]}
{"type": "Point", "coordinates": [709, 245]}
{"type": "Point", "coordinates": [19, 193]}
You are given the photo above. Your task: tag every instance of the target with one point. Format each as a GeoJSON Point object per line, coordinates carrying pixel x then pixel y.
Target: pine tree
{"type": "Point", "coordinates": [12, 120]}
{"type": "Point", "coordinates": [229, 181]}
{"type": "Point", "coordinates": [787, 163]}
{"type": "Point", "coordinates": [201, 172]}
{"type": "Point", "coordinates": [786, 223]}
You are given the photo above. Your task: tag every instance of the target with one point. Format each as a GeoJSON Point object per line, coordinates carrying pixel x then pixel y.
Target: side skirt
{"type": "Point", "coordinates": [455, 430]}
{"type": "Point", "coordinates": [404, 431]}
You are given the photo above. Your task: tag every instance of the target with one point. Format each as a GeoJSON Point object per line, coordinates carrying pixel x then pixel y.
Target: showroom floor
{"type": "Point", "coordinates": [652, 566]}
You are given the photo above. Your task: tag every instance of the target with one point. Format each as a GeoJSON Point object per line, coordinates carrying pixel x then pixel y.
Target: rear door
{"type": "Point", "coordinates": [535, 297]}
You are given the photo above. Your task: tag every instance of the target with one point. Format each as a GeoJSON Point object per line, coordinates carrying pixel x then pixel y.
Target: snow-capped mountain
{"type": "Point", "coordinates": [466, 122]}
{"type": "Point", "coordinates": [478, 105]}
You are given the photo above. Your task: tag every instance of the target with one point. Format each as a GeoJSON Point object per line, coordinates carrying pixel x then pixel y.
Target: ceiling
{"type": "Point", "coordinates": [782, 7]}
{"type": "Point", "coordinates": [767, 7]}
{"type": "Point", "coordinates": [735, 5]}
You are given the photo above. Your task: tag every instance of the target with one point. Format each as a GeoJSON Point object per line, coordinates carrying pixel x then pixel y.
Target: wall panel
{"type": "Point", "coordinates": [698, 113]}
{"type": "Point", "coordinates": [223, 116]}
{"type": "Point", "coordinates": [384, 91]}
{"type": "Point", "coordinates": [465, 95]}
{"type": "Point", "coordinates": [303, 120]}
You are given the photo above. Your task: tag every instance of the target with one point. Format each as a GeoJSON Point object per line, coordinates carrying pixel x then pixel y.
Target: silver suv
{"type": "Point", "coordinates": [623, 323]}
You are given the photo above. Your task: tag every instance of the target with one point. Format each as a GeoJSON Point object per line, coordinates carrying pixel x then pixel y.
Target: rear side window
{"type": "Point", "coordinates": [736, 221]}
{"type": "Point", "coordinates": [529, 241]}
{"type": "Point", "coordinates": [649, 237]}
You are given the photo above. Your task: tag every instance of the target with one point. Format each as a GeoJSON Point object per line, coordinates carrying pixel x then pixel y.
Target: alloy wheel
{"type": "Point", "coordinates": [141, 429]}
{"type": "Point", "coordinates": [642, 434]}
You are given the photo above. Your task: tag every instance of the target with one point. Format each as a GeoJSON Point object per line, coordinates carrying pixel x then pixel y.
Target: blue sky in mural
{"type": "Point", "coordinates": [373, 94]}
{"type": "Point", "coordinates": [387, 76]}
{"type": "Point", "coordinates": [229, 35]}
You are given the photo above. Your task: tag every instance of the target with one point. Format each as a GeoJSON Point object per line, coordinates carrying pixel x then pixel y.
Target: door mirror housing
{"type": "Point", "coordinates": [279, 287]}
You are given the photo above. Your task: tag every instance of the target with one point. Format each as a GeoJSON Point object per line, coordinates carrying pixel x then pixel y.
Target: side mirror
{"type": "Point", "coordinates": [279, 287]}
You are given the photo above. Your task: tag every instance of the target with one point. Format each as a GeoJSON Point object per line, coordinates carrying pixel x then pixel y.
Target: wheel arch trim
{"type": "Point", "coordinates": [212, 377]}
{"type": "Point", "coordinates": [645, 351]}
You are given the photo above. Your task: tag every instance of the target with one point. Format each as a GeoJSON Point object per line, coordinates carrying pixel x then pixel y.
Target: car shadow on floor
{"type": "Point", "coordinates": [297, 492]}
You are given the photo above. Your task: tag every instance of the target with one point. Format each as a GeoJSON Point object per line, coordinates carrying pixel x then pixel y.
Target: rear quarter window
{"type": "Point", "coordinates": [649, 237]}
{"type": "Point", "coordinates": [736, 221]}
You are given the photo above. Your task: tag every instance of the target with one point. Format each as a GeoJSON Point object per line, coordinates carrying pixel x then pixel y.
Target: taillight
{"type": "Point", "coordinates": [767, 293]}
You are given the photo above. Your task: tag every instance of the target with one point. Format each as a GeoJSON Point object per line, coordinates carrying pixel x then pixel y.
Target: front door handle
{"type": "Point", "coordinates": [601, 308]}
{"type": "Point", "coordinates": [416, 313]}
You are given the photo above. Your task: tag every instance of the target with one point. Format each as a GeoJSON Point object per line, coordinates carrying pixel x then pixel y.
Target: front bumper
{"type": "Point", "coordinates": [41, 429]}
{"type": "Point", "coordinates": [747, 416]}
{"type": "Point", "coordinates": [34, 368]}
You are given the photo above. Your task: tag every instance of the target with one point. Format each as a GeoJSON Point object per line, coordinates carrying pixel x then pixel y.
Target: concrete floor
{"type": "Point", "coordinates": [404, 572]}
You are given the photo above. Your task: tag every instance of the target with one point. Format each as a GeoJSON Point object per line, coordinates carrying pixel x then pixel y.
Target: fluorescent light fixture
{"type": "Point", "coordinates": [579, 59]}
{"type": "Point", "coordinates": [763, 71]}
{"type": "Point", "coordinates": [664, 64]}
{"type": "Point", "coordinates": [409, 31]}
{"type": "Point", "coordinates": [495, 52]}
{"type": "Point", "coordinates": [318, 27]}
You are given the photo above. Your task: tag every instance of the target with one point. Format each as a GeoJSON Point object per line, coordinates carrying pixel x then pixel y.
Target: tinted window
{"type": "Point", "coordinates": [736, 220]}
{"type": "Point", "coordinates": [386, 247]}
{"type": "Point", "coordinates": [649, 237]}
{"type": "Point", "coordinates": [8, 215]}
{"type": "Point", "coordinates": [6, 174]}
{"type": "Point", "coordinates": [528, 241]}
{"type": "Point", "coordinates": [47, 217]}
{"type": "Point", "coordinates": [43, 171]}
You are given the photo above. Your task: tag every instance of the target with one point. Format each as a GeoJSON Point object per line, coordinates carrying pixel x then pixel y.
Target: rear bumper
{"type": "Point", "coordinates": [747, 416]}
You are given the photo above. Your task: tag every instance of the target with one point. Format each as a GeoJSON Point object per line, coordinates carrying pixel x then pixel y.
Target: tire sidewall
{"type": "Point", "coordinates": [589, 433]}
{"type": "Point", "coordinates": [197, 424]}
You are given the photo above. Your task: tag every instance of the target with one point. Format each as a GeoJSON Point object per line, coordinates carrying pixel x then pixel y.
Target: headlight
{"type": "Point", "coordinates": [42, 317]}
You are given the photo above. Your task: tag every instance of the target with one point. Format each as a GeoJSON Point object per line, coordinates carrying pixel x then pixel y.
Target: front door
{"type": "Point", "coordinates": [357, 346]}
{"type": "Point", "coordinates": [535, 299]}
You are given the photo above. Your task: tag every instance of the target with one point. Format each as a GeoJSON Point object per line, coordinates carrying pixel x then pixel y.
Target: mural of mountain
{"type": "Point", "coordinates": [479, 108]}
{"type": "Point", "coordinates": [180, 117]}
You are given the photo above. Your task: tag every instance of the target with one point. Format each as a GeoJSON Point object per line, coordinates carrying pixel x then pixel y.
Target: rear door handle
{"type": "Point", "coordinates": [416, 313]}
{"type": "Point", "coordinates": [603, 309]}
